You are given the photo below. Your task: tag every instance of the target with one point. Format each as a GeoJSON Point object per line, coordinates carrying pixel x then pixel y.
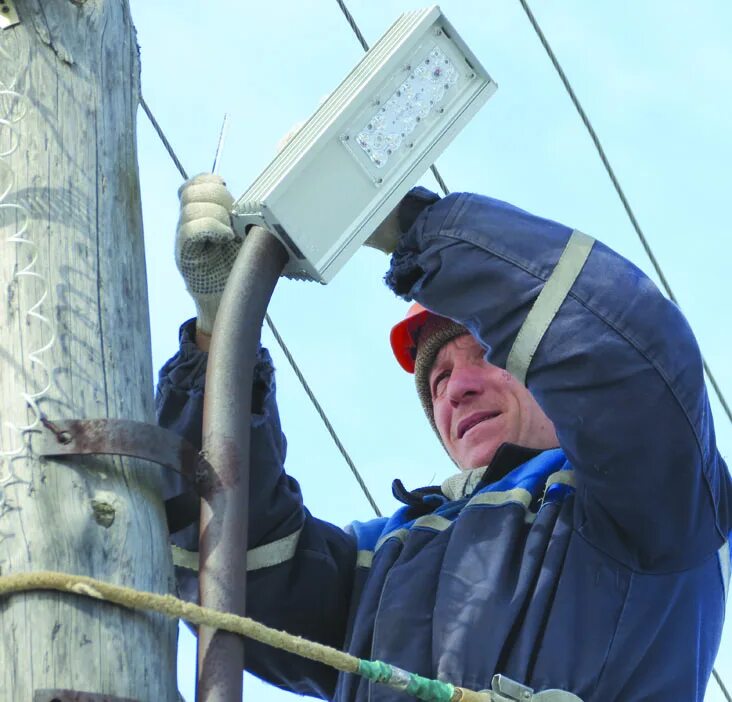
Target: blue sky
{"type": "Point", "coordinates": [655, 78]}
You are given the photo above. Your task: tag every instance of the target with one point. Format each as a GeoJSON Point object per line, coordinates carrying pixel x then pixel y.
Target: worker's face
{"type": "Point", "coordinates": [478, 406]}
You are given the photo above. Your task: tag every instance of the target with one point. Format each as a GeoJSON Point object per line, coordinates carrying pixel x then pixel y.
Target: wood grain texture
{"type": "Point", "coordinates": [75, 331]}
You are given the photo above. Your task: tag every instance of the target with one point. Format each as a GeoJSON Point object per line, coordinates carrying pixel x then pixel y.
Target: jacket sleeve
{"type": "Point", "coordinates": [300, 569]}
{"type": "Point", "coordinates": [618, 372]}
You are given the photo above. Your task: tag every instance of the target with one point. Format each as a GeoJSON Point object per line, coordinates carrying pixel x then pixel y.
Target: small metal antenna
{"type": "Point", "coordinates": [220, 146]}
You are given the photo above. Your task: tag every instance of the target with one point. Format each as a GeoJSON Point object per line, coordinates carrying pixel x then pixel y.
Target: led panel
{"type": "Point", "coordinates": [367, 144]}
{"type": "Point", "coordinates": [414, 103]}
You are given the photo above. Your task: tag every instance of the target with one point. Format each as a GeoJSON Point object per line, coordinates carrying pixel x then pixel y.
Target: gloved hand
{"type": "Point", "coordinates": [205, 245]}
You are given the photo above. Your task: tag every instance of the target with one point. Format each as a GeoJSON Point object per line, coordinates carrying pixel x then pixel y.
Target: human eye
{"type": "Point", "coordinates": [439, 381]}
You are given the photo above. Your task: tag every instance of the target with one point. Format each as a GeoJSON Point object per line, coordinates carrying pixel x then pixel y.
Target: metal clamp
{"type": "Point", "coordinates": [506, 690]}
{"type": "Point", "coordinates": [8, 15]}
{"type": "Point", "coordinates": [124, 437]}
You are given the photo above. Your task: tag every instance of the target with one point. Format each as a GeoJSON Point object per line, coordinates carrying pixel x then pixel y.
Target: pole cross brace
{"type": "Point", "coordinates": [76, 696]}
{"type": "Point", "coordinates": [124, 437]}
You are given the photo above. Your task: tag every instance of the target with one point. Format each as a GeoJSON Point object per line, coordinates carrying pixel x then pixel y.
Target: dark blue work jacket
{"type": "Point", "coordinates": [600, 568]}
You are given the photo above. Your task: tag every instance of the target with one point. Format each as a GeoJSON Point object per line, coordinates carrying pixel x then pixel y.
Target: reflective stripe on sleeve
{"type": "Point", "coordinates": [725, 566]}
{"type": "Point", "coordinates": [547, 304]}
{"type": "Point", "coordinates": [273, 554]}
{"type": "Point", "coordinates": [184, 559]}
{"type": "Point", "coordinates": [265, 556]}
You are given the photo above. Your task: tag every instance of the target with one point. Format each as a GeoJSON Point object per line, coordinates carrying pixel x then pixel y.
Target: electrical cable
{"type": "Point", "coordinates": [724, 690]}
{"type": "Point", "coordinates": [352, 23]}
{"type": "Point", "coordinates": [359, 35]}
{"type": "Point", "coordinates": [318, 408]}
{"type": "Point", "coordinates": [618, 188]}
{"type": "Point", "coordinates": [166, 143]}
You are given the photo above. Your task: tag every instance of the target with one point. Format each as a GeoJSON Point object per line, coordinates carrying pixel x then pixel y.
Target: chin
{"type": "Point", "coordinates": [478, 459]}
{"type": "Point", "coordinates": [480, 445]}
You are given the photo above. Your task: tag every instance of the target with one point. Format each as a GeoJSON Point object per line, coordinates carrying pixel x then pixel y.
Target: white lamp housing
{"type": "Point", "coordinates": [367, 144]}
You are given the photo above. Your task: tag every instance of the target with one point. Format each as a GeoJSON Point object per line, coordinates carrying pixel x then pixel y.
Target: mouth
{"type": "Point", "coordinates": [473, 420]}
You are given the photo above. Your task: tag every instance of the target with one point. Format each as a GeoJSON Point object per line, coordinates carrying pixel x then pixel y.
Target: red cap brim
{"type": "Point", "coordinates": [404, 337]}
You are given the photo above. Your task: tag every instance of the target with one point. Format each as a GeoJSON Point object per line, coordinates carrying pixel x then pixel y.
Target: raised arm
{"type": "Point", "coordinates": [618, 372]}
{"type": "Point", "coordinates": [299, 569]}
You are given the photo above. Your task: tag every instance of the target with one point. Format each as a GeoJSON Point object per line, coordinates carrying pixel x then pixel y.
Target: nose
{"type": "Point", "coordinates": [464, 383]}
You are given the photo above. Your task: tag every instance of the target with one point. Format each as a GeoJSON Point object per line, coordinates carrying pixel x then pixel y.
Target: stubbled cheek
{"type": "Point", "coordinates": [442, 425]}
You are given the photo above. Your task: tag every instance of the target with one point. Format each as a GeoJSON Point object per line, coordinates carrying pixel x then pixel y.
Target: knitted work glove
{"type": "Point", "coordinates": [205, 245]}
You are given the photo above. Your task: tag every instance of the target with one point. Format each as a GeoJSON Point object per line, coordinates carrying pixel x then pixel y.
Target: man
{"type": "Point", "coordinates": [583, 546]}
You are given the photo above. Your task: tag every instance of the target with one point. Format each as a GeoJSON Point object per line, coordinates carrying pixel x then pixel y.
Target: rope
{"type": "Point", "coordinates": [618, 188]}
{"type": "Point", "coordinates": [359, 35]}
{"type": "Point", "coordinates": [281, 342]}
{"type": "Point", "coordinates": [175, 608]}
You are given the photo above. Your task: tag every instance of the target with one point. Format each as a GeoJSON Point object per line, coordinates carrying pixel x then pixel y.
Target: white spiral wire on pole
{"type": "Point", "coordinates": [14, 215]}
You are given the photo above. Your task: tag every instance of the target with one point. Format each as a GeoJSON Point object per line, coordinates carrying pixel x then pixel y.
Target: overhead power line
{"type": "Point", "coordinates": [161, 134]}
{"type": "Point", "coordinates": [359, 35]}
{"type": "Point", "coordinates": [278, 337]}
{"type": "Point", "coordinates": [721, 685]}
{"type": "Point", "coordinates": [354, 26]}
{"type": "Point", "coordinates": [618, 188]}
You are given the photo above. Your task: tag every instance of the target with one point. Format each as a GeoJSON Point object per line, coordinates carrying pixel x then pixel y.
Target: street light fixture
{"type": "Point", "coordinates": [367, 144]}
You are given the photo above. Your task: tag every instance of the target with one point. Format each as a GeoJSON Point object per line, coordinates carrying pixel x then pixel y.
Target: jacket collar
{"type": "Point", "coordinates": [507, 457]}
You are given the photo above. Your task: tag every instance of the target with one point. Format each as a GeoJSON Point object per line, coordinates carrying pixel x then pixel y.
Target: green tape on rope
{"type": "Point", "coordinates": [377, 671]}
{"type": "Point", "coordinates": [422, 688]}
{"type": "Point", "coordinates": [429, 690]}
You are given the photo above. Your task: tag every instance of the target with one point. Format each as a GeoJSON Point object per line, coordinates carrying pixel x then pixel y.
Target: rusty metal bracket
{"type": "Point", "coordinates": [8, 15]}
{"type": "Point", "coordinates": [124, 437]}
{"type": "Point", "coordinates": [120, 437]}
{"type": "Point", "coordinates": [50, 695]}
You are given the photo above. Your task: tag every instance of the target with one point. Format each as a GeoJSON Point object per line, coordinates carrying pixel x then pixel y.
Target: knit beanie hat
{"type": "Point", "coordinates": [436, 332]}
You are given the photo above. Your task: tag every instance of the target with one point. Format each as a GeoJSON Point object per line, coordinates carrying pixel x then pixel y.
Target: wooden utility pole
{"type": "Point", "coordinates": [75, 343]}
